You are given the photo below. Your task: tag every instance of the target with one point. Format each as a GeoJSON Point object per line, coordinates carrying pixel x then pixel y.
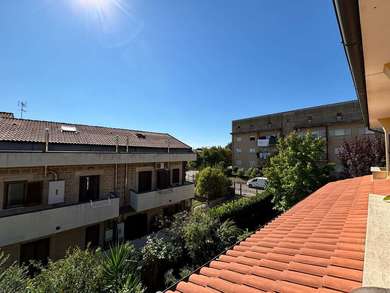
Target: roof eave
{"type": "Point", "coordinates": [348, 18]}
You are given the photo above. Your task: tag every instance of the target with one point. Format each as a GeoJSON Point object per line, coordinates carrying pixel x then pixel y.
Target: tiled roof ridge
{"type": "Point", "coordinates": [87, 125]}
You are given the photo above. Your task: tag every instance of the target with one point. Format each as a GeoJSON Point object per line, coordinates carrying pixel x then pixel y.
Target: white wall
{"type": "Point", "coordinates": [29, 226]}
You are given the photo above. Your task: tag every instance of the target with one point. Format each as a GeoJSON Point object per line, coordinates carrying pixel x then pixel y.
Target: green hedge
{"type": "Point", "coordinates": [246, 212]}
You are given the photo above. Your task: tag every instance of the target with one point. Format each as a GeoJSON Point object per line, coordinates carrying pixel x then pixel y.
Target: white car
{"type": "Point", "coordinates": [257, 182]}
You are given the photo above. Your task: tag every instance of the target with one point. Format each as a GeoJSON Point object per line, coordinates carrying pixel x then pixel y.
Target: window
{"type": "Point", "coordinates": [89, 188]}
{"type": "Point", "coordinates": [238, 162]}
{"type": "Point", "coordinates": [252, 163]}
{"type": "Point", "coordinates": [252, 138]}
{"type": "Point", "coordinates": [339, 116]}
{"type": "Point", "coordinates": [176, 176]}
{"type": "Point", "coordinates": [340, 132]}
{"type": "Point", "coordinates": [309, 119]}
{"type": "Point", "coordinates": [144, 181]}
{"type": "Point", "coordinates": [252, 150]}
{"type": "Point", "coordinates": [22, 193]}
{"type": "Point", "coordinates": [238, 139]}
{"type": "Point", "coordinates": [238, 150]}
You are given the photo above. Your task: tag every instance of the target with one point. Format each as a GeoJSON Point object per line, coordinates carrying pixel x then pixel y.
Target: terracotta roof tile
{"type": "Point", "coordinates": [316, 246]}
{"type": "Point", "coordinates": [24, 130]}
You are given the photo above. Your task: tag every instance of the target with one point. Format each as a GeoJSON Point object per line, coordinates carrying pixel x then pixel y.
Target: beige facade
{"type": "Point", "coordinates": [253, 139]}
{"type": "Point", "coordinates": [64, 185]}
{"type": "Point", "coordinates": [65, 223]}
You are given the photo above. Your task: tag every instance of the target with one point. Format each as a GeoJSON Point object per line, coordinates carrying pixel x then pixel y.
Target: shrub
{"type": "Point", "coordinates": [246, 212]}
{"type": "Point", "coordinates": [13, 278]}
{"type": "Point", "coordinates": [240, 172]}
{"type": "Point", "coordinates": [296, 170]}
{"type": "Point", "coordinates": [212, 183]}
{"type": "Point", "coordinates": [79, 271]}
{"type": "Point", "coordinates": [205, 236]}
{"type": "Point", "coordinates": [158, 255]}
{"type": "Point", "coordinates": [252, 172]}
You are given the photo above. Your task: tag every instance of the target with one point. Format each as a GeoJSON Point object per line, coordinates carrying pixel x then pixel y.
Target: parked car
{"type": "Point", "coordinates": [257, 182]}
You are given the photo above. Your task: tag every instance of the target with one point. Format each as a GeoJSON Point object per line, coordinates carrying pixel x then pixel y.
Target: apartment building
{"type": "Point", "coordinates": [63, 185]}
{"type": "Point", "coordinates": [254, 139]}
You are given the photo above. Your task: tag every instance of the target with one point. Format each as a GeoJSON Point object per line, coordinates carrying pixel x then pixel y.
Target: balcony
{"type": "Point", "coordinates": [55, 219]}
{"type": "Point", "coordinates": [154, 199]}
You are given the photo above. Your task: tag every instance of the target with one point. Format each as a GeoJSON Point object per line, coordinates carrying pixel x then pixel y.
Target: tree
{"type": "Point", "coordinates": [362, 153]}
{"type": "Point", "coordinates": [212, 183]}
{"type": "Point", "coordinates": [213, 156]}
{"type": "Point", "coordinates": [296, 169]}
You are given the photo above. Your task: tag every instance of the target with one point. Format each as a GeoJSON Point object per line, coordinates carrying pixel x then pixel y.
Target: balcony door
{"type": "Point", "coordinates": [163, 179]}
{"type": "Point", "coordinates": [37, 251]}
{"type": "Point", "coordinates": [92, 236]}
{"type": "Point", "coordinates": [144, 181]}
{"type": "Point", "coordinates": [89, 188]}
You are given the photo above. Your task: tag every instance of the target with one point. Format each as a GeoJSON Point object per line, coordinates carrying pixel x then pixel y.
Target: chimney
{"type": "Point", "coordinates": [6, 115]}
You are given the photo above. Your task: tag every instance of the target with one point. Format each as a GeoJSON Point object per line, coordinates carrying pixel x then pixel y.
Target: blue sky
{"type": "Point", "coordinates": [180, 66]}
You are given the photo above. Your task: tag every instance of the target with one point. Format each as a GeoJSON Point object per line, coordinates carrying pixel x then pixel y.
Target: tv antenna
{"type": "Point", "coordinates": [22, 107]}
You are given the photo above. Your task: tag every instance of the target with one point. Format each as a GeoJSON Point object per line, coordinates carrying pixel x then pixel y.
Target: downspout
{"type": "Point", "coordinates": [117, 144]}
{"type": "Point", "coordinates": [125, 191]}
{"type": "Point", "coordinates": [386, 127]}
{"type": "Point", "coordinates": [116, 178]}
{"type": "Point", "coordinates": [387, 152]}
{"type": "Point", "coordinates": [46, 139]}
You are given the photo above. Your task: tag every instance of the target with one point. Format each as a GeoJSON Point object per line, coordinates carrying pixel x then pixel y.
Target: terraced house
{"type": "Point", "coordinates": [64, 184]}
{"type": "Point", "coordinates": [254, 138]}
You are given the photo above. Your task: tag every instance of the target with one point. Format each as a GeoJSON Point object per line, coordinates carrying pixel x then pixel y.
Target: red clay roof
{"type": "Point", "coordinates": [317, 246]}
{"type": "Point", "coordinates": [24, 130]}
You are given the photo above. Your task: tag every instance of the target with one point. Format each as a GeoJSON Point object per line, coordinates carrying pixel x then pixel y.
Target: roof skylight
{"type": "Point", "coordinates": [68, 128]}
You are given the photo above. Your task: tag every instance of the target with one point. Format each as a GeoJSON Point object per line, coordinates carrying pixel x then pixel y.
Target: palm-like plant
{"type": "Point", "coordinates": [13, 278]}
{"type": "Point", "coordinates": [119, 269]}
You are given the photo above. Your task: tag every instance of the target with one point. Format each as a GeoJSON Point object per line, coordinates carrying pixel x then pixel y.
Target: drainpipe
{"type": "Point", "coordinates": [46, 139]}
{"type": "Point", "coordinates": [385, 122]}
{"type": "Point", "coordinates": [387, 151]}
{"type": "Point", "coordinates": [116, 178]}
{"type": "Point", "coordinates": [125, 192]}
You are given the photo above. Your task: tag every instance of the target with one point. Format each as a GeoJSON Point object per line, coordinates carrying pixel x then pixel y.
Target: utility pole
{"type": "Point", "coordinates": [22, 107]}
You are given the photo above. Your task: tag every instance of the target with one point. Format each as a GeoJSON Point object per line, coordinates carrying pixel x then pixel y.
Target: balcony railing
{"type": "Point", "coordinates": [158, 198]}
{"type": "Point", "coordinates": [32, 224]}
